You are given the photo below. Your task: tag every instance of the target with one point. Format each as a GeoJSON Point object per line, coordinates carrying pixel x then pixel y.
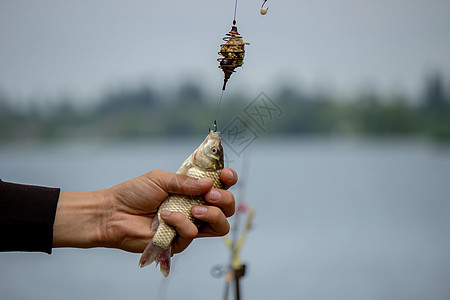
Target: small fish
{"type": "Point", "coordinates": [205, 162]}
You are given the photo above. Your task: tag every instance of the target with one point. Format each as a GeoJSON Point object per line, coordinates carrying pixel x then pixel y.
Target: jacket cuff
{"type": "Point", "coordinates": [27, 214]}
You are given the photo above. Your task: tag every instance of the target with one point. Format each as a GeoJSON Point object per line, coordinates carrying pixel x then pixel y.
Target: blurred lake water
{"type": "Point", "coordinates": [336, 219]}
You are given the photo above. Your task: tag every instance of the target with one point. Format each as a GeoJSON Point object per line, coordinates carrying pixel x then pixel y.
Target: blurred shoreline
{"type": "Point", "coordinates": [144, 112]}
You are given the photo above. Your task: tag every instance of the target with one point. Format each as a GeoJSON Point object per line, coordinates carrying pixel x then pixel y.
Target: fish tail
{"type": "Point", "coordinates": [154, 253]}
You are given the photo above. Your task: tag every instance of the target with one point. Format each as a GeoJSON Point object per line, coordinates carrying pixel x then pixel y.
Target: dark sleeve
{"type": "Point", "coordinates": [27, 214]}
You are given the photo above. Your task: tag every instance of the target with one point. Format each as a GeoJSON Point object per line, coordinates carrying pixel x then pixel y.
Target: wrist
{"type": "Point", "coordinates": [78, 220]}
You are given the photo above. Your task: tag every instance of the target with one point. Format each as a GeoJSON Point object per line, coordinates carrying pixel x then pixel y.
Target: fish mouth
{"type": "Point", "coordinates": [214, 135]}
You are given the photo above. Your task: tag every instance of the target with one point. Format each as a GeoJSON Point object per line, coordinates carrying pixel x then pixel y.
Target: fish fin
{"type": "Point", "coordinates": [185, 166]}
{"type": "Point", "coordinates": [147, 257]}
{"type": "Point", "coordinates": [161, 256]}
{"type": "Point", "coordinates": [164, 261]}
{"type": "Point", "coordinates": [155, 225]}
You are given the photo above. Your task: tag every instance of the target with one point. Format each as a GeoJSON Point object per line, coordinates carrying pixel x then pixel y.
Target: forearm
{"type": "Point", "coordinates": [79, 219]}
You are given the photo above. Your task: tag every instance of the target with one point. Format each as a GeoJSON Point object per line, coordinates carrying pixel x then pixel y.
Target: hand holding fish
{"type": "Point", "coordinates": [121, 216]}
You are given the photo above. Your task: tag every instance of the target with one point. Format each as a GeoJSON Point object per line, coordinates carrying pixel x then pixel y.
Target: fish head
{"type": "Point", "coordinates": [209, 155]}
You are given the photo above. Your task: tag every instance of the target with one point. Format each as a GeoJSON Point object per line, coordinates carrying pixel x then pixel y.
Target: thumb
{"type": "Point", "coordinates": [181, 184]}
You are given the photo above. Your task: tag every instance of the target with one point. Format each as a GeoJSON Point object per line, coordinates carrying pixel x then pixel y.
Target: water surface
{"type": "Point", "coordinates": [336, 219]}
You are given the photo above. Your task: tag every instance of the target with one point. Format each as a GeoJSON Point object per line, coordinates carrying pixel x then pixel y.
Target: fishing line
{"type": "Point", "coordinates": [235, 9]}
{"type": "Point", "coordinates": [232, 70]}
{"type": "Point", "coordinates": [217, 112]}
{"type": "Point", "coordinates": [232, 52]}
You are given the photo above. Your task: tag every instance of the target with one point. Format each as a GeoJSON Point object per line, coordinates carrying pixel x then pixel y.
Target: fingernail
{"type": "Point", "coordinates": [230, 174]}
{"type": "Point", "coordinates": [165, 213]}
{"type": "Point", "coordinates": [215, 195]}
{"type": "Point", "coordinates": [200, 210]}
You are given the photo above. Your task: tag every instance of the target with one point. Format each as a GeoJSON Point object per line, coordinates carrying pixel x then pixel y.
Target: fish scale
{"type": "Point", "coordinates": [179, 203]}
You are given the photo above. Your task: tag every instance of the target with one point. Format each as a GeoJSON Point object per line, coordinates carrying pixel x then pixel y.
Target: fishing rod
{"type": "Point", "coordinates": [235, 269]}
{"type": "Point", "coordinates": [236, 242]}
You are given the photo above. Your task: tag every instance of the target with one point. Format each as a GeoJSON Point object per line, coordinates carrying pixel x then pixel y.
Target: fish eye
{"type": "Point", "coordinates": [214, 150]}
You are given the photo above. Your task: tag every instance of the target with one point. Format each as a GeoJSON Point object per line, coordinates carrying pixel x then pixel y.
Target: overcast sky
{"type": "Point", "coordinates": [53, 47]}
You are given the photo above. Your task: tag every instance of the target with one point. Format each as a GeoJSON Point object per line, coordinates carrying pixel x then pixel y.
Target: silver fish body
{"type": "Point", "coordinates": [205, 162]}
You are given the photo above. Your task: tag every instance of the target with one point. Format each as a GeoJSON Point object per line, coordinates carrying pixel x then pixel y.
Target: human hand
{"type": "Point", "coordinates": [120, 217]}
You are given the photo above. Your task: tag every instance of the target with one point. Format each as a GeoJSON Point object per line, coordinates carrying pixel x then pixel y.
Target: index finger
{"type": "Point", "coordinates": [229, 177]}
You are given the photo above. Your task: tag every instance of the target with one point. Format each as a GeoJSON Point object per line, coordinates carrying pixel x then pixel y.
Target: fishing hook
{"type": "Point", "coordinates": [214, 127]}
{"type": "Point", "coordinates": [264, 10]}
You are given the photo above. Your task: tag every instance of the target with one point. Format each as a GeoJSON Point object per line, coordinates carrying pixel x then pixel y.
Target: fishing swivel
{"type": "Point", "coordinates": [264, 10]}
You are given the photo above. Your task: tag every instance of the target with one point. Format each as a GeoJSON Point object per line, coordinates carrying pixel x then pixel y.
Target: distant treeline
{"type": "Point", "coordinates": [142, 112]}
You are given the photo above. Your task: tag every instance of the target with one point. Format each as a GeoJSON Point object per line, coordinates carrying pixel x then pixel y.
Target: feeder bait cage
{"type": "Point", "coordinates": [233, 53]}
